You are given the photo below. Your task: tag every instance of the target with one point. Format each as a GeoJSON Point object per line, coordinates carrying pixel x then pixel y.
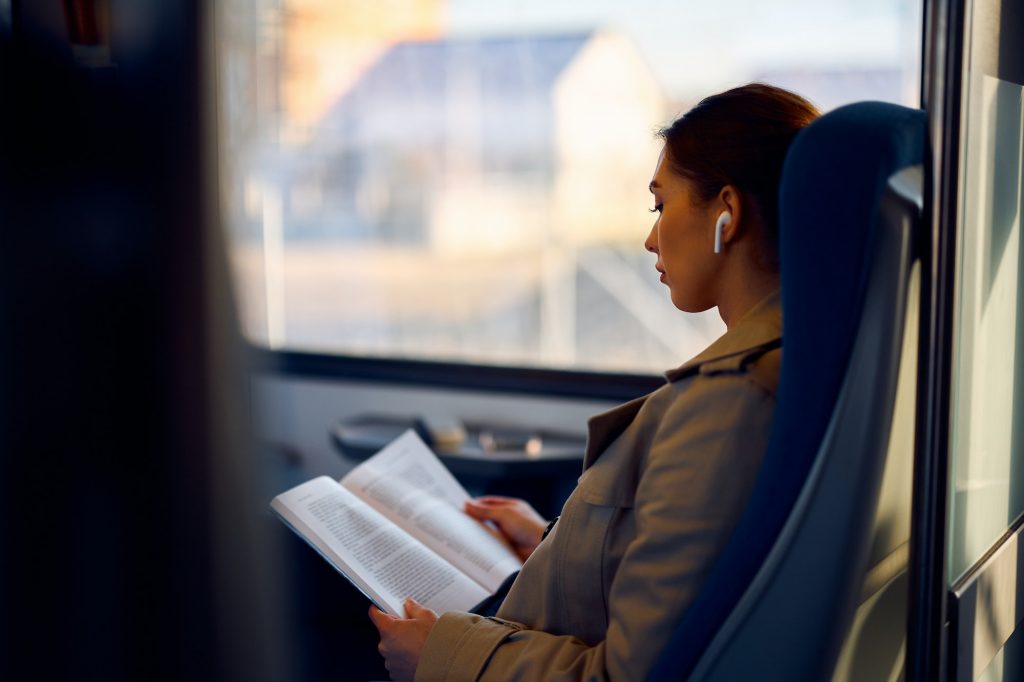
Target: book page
{"type": "Point", "coordinates": [382, 560]}
{"type": "Point", "coordinates": [407, 483]}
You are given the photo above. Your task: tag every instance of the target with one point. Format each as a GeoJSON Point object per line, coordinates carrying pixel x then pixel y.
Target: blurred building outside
{"type": "Point", "coordinates": [393, 191]}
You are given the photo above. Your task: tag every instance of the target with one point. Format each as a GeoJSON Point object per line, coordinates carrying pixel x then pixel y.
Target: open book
{"type": "Point", "coordinates": [395, 527]}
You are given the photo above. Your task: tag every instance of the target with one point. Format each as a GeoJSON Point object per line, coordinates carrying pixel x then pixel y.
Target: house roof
{"type": "Point", "coordinates": [444, 84]}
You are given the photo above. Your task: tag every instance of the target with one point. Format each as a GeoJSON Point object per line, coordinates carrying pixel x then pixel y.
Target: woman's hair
{"type": "Point", "coordinates": [739, 138]}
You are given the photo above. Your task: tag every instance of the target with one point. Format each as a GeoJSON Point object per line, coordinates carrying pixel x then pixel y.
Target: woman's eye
{"type": "Point", "coordinates": [657, 208]}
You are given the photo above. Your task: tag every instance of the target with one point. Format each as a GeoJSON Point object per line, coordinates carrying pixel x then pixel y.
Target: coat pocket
{"type": "Point", "coordinates": [601, 520]}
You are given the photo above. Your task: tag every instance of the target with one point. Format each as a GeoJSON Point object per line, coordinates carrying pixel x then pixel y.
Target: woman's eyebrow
{"type": "Point", "coordinates": [654, 184]}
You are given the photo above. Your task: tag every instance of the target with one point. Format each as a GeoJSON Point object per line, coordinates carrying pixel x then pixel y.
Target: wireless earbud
{"type": "Point", "coordinates": [724, 218]}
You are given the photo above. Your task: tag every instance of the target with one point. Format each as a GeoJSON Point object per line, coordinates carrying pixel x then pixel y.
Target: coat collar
{"type": "Point", "coordinates": [761, 326]}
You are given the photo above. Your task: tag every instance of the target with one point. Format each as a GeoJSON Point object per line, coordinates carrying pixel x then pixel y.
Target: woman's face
{"type": "Point", "coordinates": [683, 239]}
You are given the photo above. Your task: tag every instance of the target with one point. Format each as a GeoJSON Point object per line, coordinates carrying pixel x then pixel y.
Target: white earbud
{"type": "Point", "coordinates": [724, 218]}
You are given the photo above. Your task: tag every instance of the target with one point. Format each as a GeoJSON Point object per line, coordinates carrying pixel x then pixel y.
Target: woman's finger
{"type": "Point", "coordinates": [496, 500]}
{"type": "Point", "coordinates": [485, 513]}
{"type": "Point", "coordinates": [379, 618]}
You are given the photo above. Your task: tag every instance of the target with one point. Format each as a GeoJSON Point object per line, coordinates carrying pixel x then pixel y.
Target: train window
{"type": "Point", "coordinates": [467, 180]}
{"type": "Point", "coordinates": [988, 381]}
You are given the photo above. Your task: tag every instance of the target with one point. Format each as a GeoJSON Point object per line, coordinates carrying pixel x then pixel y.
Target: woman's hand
{"type": "Point", "coordinates": [402, 639]}
{"type": "Point", "coordinates": [517, 521]}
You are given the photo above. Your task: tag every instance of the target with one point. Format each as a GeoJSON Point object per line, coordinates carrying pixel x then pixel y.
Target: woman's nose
{"type": "Point", "coordinates": [651, 243]}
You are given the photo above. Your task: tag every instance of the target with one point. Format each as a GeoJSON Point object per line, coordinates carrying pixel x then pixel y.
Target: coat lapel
{"type": "Point", "coordinates": [606, 427]}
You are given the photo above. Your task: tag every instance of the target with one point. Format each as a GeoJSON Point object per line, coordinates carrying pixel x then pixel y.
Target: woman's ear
{"type": "Point", "coordinates": [729, 201]}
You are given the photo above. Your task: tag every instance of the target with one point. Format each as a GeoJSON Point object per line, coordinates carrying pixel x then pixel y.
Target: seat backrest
{"type": "Point", "coordinates": [775, 602]}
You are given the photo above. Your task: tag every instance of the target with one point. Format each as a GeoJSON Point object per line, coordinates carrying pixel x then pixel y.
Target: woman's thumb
{"type": "Point", "coordinates": [413, 608]}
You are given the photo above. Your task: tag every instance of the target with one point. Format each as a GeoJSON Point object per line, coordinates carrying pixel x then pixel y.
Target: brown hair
{"type": "Point", "coordinates": [739, 137]}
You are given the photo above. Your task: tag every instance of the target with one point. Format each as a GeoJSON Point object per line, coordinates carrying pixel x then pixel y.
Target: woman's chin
{"type": "Point", "coordinates": [691, 305]}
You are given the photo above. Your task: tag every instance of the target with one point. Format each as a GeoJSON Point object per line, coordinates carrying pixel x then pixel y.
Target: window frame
{"type": "Point", "coordinates": [505, 379]}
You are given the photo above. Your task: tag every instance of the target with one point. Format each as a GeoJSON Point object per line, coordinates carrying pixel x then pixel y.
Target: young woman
{"type": "Point", "coordinates": [666, 476]}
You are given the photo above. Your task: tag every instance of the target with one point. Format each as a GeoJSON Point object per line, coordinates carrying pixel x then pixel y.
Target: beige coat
{"type": "Point", "coordinates": [665, 479]}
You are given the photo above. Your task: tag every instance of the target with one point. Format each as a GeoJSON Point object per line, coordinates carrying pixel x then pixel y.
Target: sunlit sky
{"type": "Point", "coordinates": [695, 46]}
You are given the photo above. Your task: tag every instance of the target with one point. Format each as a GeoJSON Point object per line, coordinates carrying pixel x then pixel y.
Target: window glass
{"type": "Point", "coordinates": [467, 180]}
{"type": "Point", "coordinates": [987, 455]}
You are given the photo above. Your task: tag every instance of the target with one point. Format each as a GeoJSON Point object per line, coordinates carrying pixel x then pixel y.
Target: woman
{"type": "Point", "coordinates": [666, 476]}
